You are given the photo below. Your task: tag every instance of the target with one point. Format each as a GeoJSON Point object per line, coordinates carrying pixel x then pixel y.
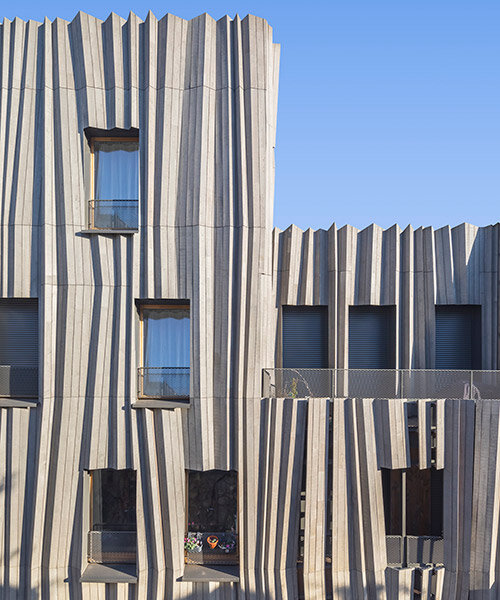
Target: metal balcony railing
{"type": "Point", "coordinates": [380, 383]}
{"type": "Point", "coordinates": [18, 382]}
{"type": "Point", "coordinates": [167, 383]}
{"type": "Point", "coordinates": [112, 546]}
{"type": "Point", "coordinates": [114, 214]}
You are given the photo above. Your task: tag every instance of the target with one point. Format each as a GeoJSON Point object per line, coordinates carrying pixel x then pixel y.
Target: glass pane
{"type": "Point", "coordinates": [116, 170]}
{"type": "Point", "coordinates": [113, 500]}
{"type": "Point", "coordinates": [166, 337]}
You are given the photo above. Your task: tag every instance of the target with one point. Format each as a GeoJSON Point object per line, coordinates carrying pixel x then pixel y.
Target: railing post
{"type": "Point", "coordinates": [262, 384]}
{"type": "Point", "coordinates": [401, 383]}
{"type": "Point", "coordinates": [471, 384]}
{"type": "Point", "coordinates": [332, 383]}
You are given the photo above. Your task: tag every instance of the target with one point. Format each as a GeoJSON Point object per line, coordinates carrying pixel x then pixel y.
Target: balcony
{"type": "Point", "coordinates": [120, 215]}
{"type": "Point", "coordinates": [380, 383]}
{"type": "Point", "coordinates": [163, 383]}
{"type": "Point", "coordinates": [18, 382]}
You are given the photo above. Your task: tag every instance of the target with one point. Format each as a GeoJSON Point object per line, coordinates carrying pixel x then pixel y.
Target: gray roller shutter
{"type": "Point", "coordinates": [458, 335]}
{"type": "Point", "coordinates": [372, 337]}
{"type": "Point", "coordinates": [19, 332]}
{"type": "Point", "coordinates": [305, 337]}
{"type": "Point", "coordinates": [18, 348]}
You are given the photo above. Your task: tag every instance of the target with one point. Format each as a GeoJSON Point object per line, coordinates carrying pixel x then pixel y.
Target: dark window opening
{"type": "Point", "coordinates": [113, 538]}
{"type": "Point", "coordinates": [19, 347]}
{"type": "Point", "coordinates": [372, 337]}
{"type": "Point", "coordinates": [458, 337]}
{"type": "Point", "coordinates": [305, 337]}
{"type": "Point", "coordinates": [305, 353]}
{"type": "Point", "coordinates": [421, 504]}
{"type": "Point", "coordinates": [211, 531]}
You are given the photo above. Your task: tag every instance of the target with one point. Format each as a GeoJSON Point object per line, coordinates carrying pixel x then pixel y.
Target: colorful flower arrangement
{"type": "Point", "coordinates": [193, 542]}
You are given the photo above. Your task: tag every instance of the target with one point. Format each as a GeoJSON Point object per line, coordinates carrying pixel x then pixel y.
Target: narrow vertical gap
{"type": "Point", "coordinates": [302, 509]}
{"type": "Point", "coordinates": [329, 505]}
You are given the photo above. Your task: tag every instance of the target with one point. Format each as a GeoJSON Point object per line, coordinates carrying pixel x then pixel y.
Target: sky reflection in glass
{"type": "Point", "coordinates": [116, 170]}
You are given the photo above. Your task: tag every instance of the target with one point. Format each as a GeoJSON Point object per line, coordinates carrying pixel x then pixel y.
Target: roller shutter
{"type": "Point", "coordinates": [458, 333]}
{"type": "Point", "coordinates": [305, 337]}
{"type": "Point", "coordinates": [372, 339]}
{"type": "Point", "coordinates": [19, 333]}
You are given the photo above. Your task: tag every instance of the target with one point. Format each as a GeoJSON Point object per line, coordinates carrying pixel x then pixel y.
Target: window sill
{"type": "Point", "coordinates": [108, 231]}
{"type": "Point", "coordinates": [151, 403]}
{"type": "Point", "coordinates": [109, 573]}
{"type": "Point", "coordinates": [207, 573]}
{"type": "Point", "coordinates": [18, 402]}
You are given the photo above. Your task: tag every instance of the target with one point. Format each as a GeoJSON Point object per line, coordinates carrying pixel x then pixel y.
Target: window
{"type": "Point", "coordinates": [372, 345]}
{"type": "Point", "coordinates": [112, 535]}
{"type": "Point", "coordinates": [422, 502]}
{"type": "Point", "coordinates": [211, 530]}
{"type": "Point", "coordinates": [19, 347]}
{"type": "Point", "coordinates": [372, 337]}
{"type": "Point", "coordinates": [115, 183]}
{"type": "Point", "coordinates": [305, 337]}
{"type": "Point", "coordinates": [458, 337]}
{"type": "Point", "coordinates": [305, 352]}
{"type": "Point", "coordinates": [165, 368]}
{"type": "Point", "coordinates": [413, 507]}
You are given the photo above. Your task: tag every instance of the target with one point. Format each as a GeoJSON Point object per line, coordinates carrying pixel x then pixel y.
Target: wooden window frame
{"type": "Point", "coordinates": [92, 164]}
{"type": "Point", "coordinates": [141, 306]}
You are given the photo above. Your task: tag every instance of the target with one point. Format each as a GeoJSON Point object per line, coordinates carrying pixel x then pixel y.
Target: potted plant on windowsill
{"type": "Point", "coordinates": [193, 542]}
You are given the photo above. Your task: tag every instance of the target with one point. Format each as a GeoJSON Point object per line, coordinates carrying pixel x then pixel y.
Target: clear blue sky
{"type": "Point", "coordinates": [389, 111]}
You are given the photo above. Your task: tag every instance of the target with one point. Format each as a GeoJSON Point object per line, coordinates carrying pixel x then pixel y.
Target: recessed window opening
{"type": "Point", "coordinates": [19, 347]}
{"type": "Point", "coordinates": [305, 353]}
{"type": "Point", "coordinates": [458, 337]}
{"type": "Point", "coordinates": [211, 530]}
{"type": "Point", "coordinates": [372, 337]}
{"type": "Point", "coordinates": [165, 371]}
{"type": "Point", "coordinates": [112, 536]}
{"type": "Point", "coordinates": [115, 183]}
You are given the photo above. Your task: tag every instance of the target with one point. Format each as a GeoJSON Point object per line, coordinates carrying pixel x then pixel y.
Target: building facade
{"type": "Point", "coordinates": [195, 405]}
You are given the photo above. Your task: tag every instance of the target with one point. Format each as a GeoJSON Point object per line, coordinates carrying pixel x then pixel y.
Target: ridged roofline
{"type": "Point", "coordinates": [150, 17]}
{"type": "Point", "coordinates": [334, 227]}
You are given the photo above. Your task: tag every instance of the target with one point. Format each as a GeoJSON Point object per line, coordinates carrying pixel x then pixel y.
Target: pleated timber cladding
{"type": "Point", "coordinates": [203, 96]}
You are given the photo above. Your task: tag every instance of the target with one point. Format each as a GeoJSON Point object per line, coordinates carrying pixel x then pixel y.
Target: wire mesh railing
{"type": "Point", "coordinates": [112, 546]}
{"type": "Point", "coordinates": [380, 383]}
{"type": "Point", "coordinates": [114, 214]}
{"type": "Point", "coordinates": [18, 382]}
{"type": "Point", "coordinates": [170, 383]}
